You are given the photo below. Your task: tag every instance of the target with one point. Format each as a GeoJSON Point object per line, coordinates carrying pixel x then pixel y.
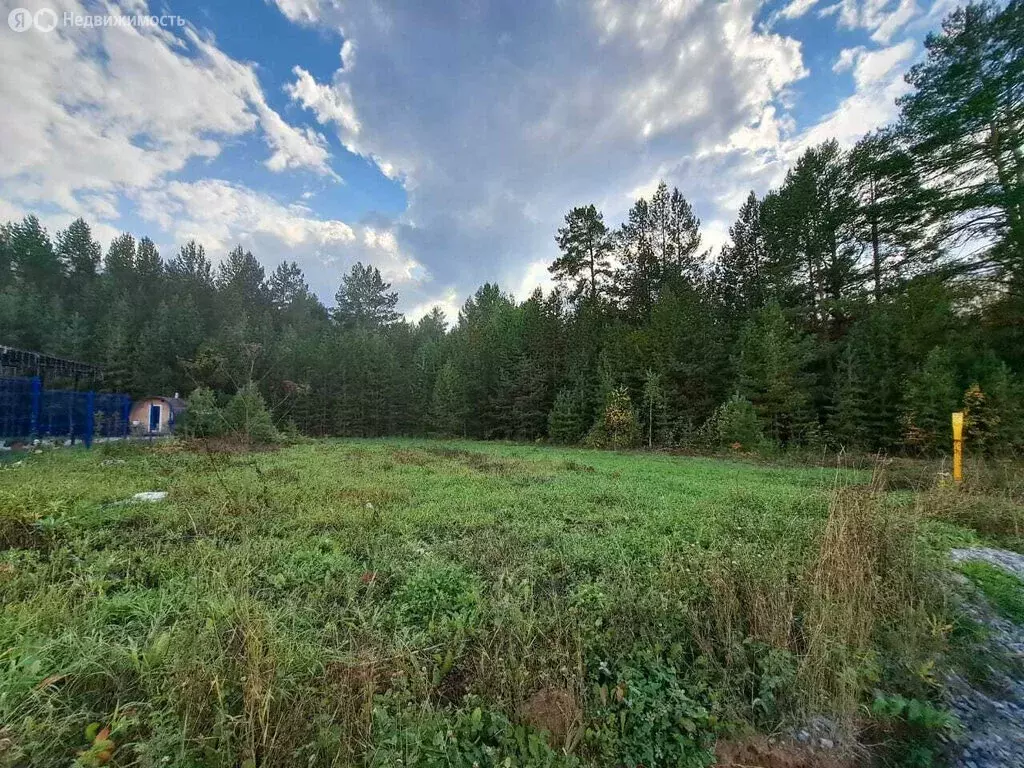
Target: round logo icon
{"type": "Point", "coordinates": [45, 19]}
{"type": "Point", "coordinates": [20, 19]}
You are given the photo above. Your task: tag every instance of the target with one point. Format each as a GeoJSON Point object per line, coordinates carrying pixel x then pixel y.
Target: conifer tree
{"type": "Point", "coordinates": [586, 245]}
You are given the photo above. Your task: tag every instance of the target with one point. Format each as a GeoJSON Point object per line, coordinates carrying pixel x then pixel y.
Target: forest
{"type": "Point", "coordinates": [874, 291]}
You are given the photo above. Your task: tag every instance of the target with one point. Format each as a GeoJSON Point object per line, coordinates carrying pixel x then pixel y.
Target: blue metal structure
{"type": "Point", "coordinates": [27, 411]}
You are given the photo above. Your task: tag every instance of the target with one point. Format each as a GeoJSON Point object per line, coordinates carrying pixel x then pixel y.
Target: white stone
{"type": "Point", "coordinates": [150, 496]}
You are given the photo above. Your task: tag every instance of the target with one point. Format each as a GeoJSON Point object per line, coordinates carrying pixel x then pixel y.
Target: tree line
{"type": "Point", "coordinates": [873, 292]}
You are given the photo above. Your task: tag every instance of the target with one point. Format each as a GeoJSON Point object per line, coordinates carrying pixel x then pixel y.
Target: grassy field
{"type": "Point", "coordinates": [426, 603]}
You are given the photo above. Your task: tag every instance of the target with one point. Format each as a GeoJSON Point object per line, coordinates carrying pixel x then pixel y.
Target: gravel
{"type": "Point", "coordinates": [992, 719]}
{"type": "Point", "coordinates": [1003, 558]}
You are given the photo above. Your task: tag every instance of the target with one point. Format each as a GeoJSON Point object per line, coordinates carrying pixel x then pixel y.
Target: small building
{"type": "Point", "coordinates": [156, 415]}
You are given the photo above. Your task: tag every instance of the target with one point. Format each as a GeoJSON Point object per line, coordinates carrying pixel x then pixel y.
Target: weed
{"type": "Point", "coordinates": [1004, 591]}
{"type": "Point", "coordinates": [380, 602]}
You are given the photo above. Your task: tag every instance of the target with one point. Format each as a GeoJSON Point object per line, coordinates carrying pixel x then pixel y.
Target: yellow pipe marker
{"type": "Point", "coordinates": [958, 446]}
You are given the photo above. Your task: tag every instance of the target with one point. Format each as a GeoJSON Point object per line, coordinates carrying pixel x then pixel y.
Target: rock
{"type": "Point", "coordinates": [147, 496]}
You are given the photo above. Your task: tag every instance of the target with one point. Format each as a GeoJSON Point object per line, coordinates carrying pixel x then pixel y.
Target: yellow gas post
{"type": "Point", "coordinates": [958, 446]}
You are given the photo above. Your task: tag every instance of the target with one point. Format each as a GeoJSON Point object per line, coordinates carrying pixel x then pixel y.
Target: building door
{"type": "Point", "coordinates": [154, 418]}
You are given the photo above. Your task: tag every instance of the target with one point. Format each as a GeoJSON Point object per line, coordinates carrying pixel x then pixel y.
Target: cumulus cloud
{"type": "Point", "coordinates": [221, 214]}
{"type": "Point", "coordinates": [103, 110]}
{"type": "Point", "coordinates": [448, 301]}
{"type": "Point", "coordinates": [495, 120]}
{"type": "Point", "coordinates": [301, 11]}
{"type": "Point", "coordinates": [871, 67]}
{"type": "Point", "coordinates": [882, 18]}
{"type": "Point", "coordinates": [498, 122]}
{"type": "Point", "coordinates": [878, 76]}
{"type": "Point", "coordinates": [797, 8]}
{"type": "Point", "coordinates": [330, 105]}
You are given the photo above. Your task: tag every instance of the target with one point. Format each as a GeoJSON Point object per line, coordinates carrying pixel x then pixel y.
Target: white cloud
{"type": "Point", "coordinates": [221, 214]}
{"type": "Point", "coordinates": [447, 301]}
{"type": "Point", "coordinates": [218, 213]}
{"type": "Point", "coordinates": [882, 18]}
{"type": "Point", "coordinates": [878, 76]}
{"type": "Point", "coordinates": [496, 130]}
{"type": "Point", "coordinates": [797, 8]}
{"type": "Point", "coordinates": [847, 58]}
{"type": "Point", "coordinates": [871, 67]}
{"type": "Point", "coordinates": [103, 110]}
{"type": "Point", "coordinates": [534, 276]}
{"type": "Point", "coordinates": [301, 11]}
{"type": "Point", "coordinates": [348, 54]}
{"type": "Point", "coordinates": [330, 105]}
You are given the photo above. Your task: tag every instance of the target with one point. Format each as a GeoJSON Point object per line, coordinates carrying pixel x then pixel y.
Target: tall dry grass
{"type": "Point", "coordinates": [861, 608]}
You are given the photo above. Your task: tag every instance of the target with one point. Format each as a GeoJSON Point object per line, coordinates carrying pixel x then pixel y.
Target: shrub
{"type": "Point", "coordinates": [472, 735]}
{"type": "Point", "coordinates": [735, 423]}
{"type": "Point", "coordinates": [617, 426]}
{"type": "Point", "coordinates": [651, 716]}
{"type": "Point", "coordinates": [247, 416]}
{"type": "Point", "coordinates": [435, 595]}
{"type": "Point", "coordinates": [202, 416]}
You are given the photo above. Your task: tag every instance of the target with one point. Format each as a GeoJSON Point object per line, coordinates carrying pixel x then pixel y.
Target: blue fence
{"type": "Point", "coordinates": [28, 411]}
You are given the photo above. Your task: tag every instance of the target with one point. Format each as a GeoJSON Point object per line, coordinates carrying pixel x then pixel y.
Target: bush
{"type": "Point", "coordinates": [247, 416]}
{"type": "Point", "coordinates": [735, 423]}
{"type": "Point", "coordinates": [652, 716]}
{"type": "Point", "coordinates": [617, 426]}
{"type": "Point", "coordinates": [202, 416]}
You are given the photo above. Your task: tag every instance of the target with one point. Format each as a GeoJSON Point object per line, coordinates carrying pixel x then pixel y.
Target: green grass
{"type": "Point", "coordinates": [415, 602]}
{"type": "Point", "coordinates": [1003, 590]}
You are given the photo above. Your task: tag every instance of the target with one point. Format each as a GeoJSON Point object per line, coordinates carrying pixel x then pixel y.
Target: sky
{"type": "Point", "coordinates": [442, 141]}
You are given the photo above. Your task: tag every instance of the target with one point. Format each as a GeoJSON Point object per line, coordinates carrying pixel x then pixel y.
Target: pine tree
{"type": "Point", "coordinates": [890, 216]}
{"type": "Point", "coordinates": [931, 397]}
{"type": "Point", "coordinates": [682, 258]}
{"type": "Point", "coordinates": [79, 253]}
{"type": "Point", "coordinates": [119, 262]}
{"type": "Point", "coordinates": [584, 265]}
{"type": "Point", "coordinates": [570, 416]}
{"type": "Point", "coordinates": [639, 274]}
{"type": "Point", "coordinates": [448, 406]}
{"type": "Point", "coordinates": [740, 266]}
{"type": "Point", "coordinates": [36, 264]}
{"type": "Point", "coordinates": [364, 300]}
{"type": "Point", "coordinates": [962, 125]}
{"type": "Point", "coordinates": [770, 363]}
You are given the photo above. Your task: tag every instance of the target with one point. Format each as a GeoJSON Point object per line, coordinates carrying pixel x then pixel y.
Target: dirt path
{"type": "Point", "coordinates": [993, 718]}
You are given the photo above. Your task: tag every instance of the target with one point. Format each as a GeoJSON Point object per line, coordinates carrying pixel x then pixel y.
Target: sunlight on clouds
{"type": "Point", "coordinates": [119, 108]}
{"type": "Point", "coordinates": [221, 214]}
{"type": "Point", "coordinates": [872, 67]}
{"type": "Point", "coordinates": [448, 302]}
{"type": "Point", "coordinates": [217, 213]}
{"type": "Point", "coordinates": [882, 18]}
{"type": "Point", "coordinates": [535, 275]}
{"type": "Point", "coordinates": [300, 11]}
{"type": "Point", "coordinates": [493, 129]}
{"type": "Point", "coordinates": [797, 8]}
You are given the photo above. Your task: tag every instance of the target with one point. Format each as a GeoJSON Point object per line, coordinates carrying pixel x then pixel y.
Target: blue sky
{"type": "Point", "coordinates": [441, 141]}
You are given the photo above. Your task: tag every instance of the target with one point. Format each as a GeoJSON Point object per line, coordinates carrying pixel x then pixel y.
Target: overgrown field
{"type": "Point", "coordinates": [425, 603]}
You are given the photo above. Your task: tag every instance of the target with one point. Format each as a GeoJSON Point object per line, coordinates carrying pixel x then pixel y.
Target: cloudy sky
{"type": "Point", "coordinates": [440, 140]}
